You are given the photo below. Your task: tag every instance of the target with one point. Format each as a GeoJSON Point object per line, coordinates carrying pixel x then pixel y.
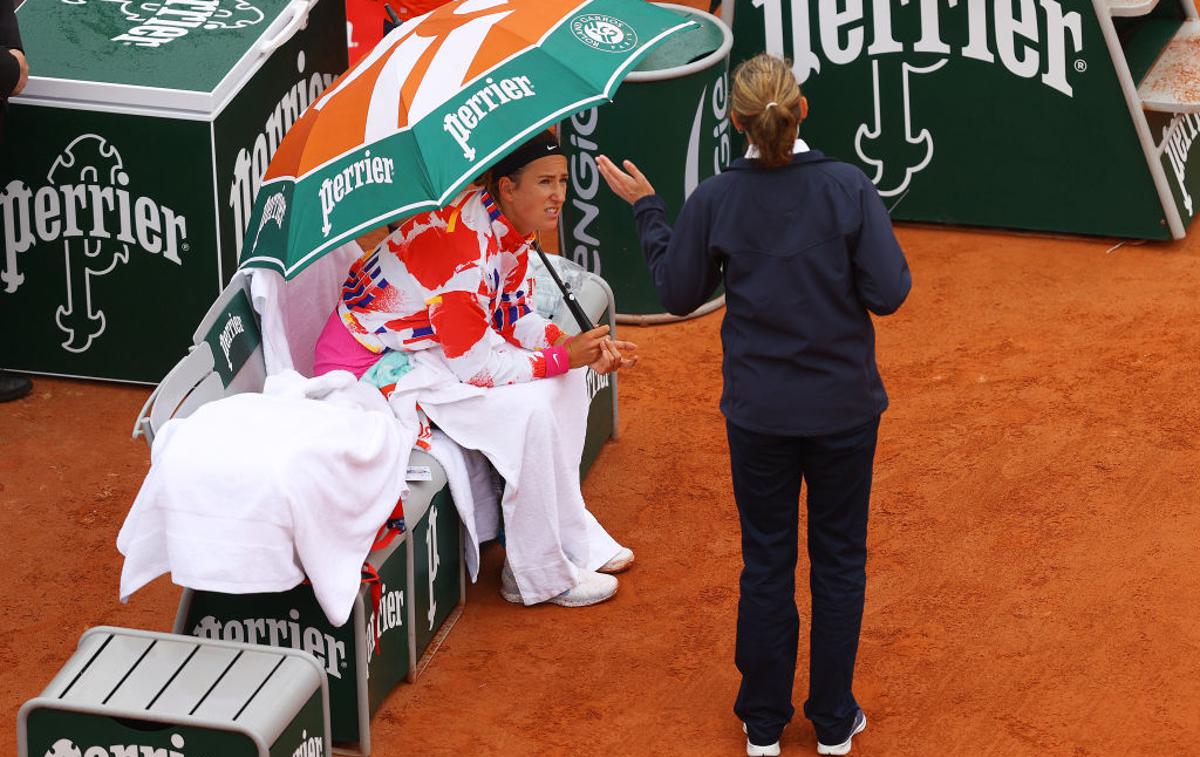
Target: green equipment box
{"type": "Point", "coordinates": [140, 693]}
{"type": "Point", "coordinates": [130, 164]}
{"type": "Point", "coordinates": [1074, 116]}
{"type": "Point", "coordinates": [403, 609]}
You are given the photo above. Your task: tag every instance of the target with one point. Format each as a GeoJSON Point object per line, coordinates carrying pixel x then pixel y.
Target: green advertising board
{"type": "Point", "coordinates": [602, 416]}
{"type": "Point", "coordinates": [1059, 115]}
{"type": "Point", "coordinates": [438, 576]}
{"type": "Point", "coordinates": [130, 164]}
{"type": "Point", "coordinates": [671, 118]}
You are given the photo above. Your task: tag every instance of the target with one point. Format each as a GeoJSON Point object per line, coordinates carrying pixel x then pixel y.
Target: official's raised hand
{"type": "Point", "coordinates": [630, 185]}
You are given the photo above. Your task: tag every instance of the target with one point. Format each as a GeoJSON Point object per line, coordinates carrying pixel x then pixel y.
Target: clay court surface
{"type": "Point", "coordinates": [1034, 572]}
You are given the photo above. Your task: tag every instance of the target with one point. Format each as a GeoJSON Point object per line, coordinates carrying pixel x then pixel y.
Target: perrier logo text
{"type": "Point", "coordinates": [904, 40]}
{"type": "Point", "coordinates": [175, 19]}
{"type": "Point", "coordinates": [842, 31]}
{"type": "Point", "coordinates": [157, 23]}
{"type": "Point", "coordinates": [86, 205]}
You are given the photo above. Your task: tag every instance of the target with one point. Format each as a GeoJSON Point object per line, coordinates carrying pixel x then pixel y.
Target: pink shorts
{"type": "Point", "coordinates": [338, 350]}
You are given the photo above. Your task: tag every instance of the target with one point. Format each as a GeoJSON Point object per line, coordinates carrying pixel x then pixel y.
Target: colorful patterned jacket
{"type": "Point", "coordinates": [453, 278]}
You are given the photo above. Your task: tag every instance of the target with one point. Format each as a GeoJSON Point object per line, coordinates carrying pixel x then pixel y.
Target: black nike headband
{"type": "Point", "coordinates": [541, 146]}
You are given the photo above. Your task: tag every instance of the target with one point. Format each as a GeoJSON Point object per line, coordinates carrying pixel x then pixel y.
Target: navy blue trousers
{"type": "Point", "coordinates": [767, 474]}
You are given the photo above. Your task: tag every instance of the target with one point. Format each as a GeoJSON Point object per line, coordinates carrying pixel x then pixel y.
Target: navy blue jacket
{"type": "Point", "coordinates": [805, 251]}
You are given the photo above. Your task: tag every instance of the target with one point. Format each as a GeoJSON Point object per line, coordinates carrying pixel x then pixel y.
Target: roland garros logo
{"type": "Point", "coordinates": [88, 208]}
{"type": "Point", "coordinates": [156, 24]}
{"type": "Point", "coordinates": [605, 33]}
{"type": "Point", "coordinates": [1037, 42]}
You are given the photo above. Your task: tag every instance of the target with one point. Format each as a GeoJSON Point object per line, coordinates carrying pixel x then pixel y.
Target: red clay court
{"type": "Point", "coordinates": [1033, 574]}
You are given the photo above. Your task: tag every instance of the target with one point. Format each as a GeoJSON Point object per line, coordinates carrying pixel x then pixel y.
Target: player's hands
{"type": "Point", "coordinates": [614, 356]}
{"type": "Point", "coordinates": [603, 355]}
{"type": "Point", "coordinates": [587, 348]}
{"type": "Point", "coordinates": [631, 186]}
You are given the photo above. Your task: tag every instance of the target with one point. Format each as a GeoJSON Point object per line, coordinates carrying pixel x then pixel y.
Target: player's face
{"type": "Point", "coordinates": [533, 202]}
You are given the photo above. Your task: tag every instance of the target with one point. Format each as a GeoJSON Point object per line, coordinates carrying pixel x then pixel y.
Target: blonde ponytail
{"type": "Point", "coordinates": [767, 102]}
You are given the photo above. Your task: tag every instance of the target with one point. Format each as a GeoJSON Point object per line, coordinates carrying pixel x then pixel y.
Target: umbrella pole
{"type": "Point", "coordinates": [569, 296]}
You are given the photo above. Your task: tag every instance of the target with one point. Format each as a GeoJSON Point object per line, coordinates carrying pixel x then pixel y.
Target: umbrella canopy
{"type": "Point", "coordinates": [437, 102]}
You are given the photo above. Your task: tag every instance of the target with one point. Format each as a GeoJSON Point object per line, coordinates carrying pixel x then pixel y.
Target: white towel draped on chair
{"type": "Point", "coordinates": [255, 492]}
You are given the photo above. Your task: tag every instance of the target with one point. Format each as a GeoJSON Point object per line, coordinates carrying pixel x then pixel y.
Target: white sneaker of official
{"type": "Point", "coordinates": [759, 750]}
{"type": "Point", "coordinates": [859, 725]}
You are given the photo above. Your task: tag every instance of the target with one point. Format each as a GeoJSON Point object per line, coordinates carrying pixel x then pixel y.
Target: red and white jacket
{"type": "Point", "coordinates": [453, 278]}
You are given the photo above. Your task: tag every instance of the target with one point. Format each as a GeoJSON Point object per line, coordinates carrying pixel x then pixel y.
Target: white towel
{"type": "Point", "coordinates": [294, 312]}
{"type": "Point", "coordinates": [533, 435]}
{"type": "Point", "coordinates": [475, 489]}
{"type": "Point", "coordinates": [255, 492]}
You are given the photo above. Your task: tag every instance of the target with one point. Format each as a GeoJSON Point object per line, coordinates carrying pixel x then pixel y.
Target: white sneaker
{"type": "Point", "coordinates": [860, 725]}
{"type": "Point", "coordinates": [591, 589]}
{"type": "Point", "coordinates": [621, 561]}
{"type": "Point", "coordinates": [755, 750]}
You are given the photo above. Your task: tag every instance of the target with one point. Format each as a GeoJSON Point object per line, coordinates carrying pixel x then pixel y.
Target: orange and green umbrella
{"type": "Point", "coordinates": [437, 102]}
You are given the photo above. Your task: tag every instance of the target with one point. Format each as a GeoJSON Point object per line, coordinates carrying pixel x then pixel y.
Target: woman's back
{"type": "Point", "coordinates": [805, 250]}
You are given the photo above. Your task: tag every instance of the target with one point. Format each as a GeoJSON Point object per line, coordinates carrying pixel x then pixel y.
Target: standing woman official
{"type": "Point", "coordinates": [806, 251]}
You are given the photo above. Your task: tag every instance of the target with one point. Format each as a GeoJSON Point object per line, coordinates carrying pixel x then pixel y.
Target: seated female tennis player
{"type": "Point", "coordinates": [453, 282]}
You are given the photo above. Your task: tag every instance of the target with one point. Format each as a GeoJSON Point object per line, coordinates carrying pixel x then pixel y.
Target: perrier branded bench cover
{"type": "Point", "coordinates": [130, 163]}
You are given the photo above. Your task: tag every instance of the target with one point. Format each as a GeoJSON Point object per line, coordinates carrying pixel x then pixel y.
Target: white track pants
{"type": "Point", "coordinates": [533, 434]}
